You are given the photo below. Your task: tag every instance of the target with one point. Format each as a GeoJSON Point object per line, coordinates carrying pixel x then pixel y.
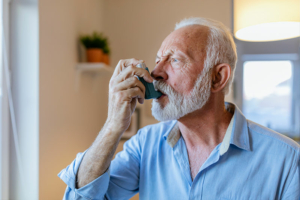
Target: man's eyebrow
{"type": "Point", "coordinates": [169, 53]}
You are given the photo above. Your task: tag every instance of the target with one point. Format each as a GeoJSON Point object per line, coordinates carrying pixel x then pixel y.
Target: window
{"type": "Point", "coordinates": [268, 93]}
{"type": "Point", "coordinates": [268, 97]}
{"type": "Point", "coordinates": [4, 116]}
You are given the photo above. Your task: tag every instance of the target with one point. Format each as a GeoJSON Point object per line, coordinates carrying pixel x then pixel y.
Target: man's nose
{"type": "Point", "coordinates": [159, 72]}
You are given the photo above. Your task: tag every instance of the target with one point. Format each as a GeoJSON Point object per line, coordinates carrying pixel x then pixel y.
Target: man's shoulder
{"type": "Point", "coordinates": [271, 137]}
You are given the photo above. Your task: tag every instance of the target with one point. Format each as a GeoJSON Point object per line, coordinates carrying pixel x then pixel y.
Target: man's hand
{"type": "Point", "coordinates": [124, 91]}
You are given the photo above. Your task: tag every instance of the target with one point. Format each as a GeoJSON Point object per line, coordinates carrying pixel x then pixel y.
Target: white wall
{"type": "Point", "coordinates": [69, 120]}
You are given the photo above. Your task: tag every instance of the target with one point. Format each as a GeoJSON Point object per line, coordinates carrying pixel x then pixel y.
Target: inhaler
{"type": "Point", "coordinates": [150, 93]}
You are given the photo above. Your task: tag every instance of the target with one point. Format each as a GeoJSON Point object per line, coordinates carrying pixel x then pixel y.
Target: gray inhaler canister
{"type": "Point", "coordinates": [150, 93]}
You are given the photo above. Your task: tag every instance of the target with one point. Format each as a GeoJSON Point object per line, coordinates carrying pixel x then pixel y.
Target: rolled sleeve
{"type": "Point", "coordinates": [120, 181]}
{"type": "Point", "coordinates": [94, 190]}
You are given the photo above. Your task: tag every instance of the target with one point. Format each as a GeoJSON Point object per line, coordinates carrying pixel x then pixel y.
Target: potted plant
{"type": "Point", "coordinates": [94, 45]}
{"type": "Point", "coordinates": [106, 51]}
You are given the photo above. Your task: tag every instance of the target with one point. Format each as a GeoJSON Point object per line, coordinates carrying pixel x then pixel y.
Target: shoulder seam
{"type": "Point", "coordinates": [296, 150]}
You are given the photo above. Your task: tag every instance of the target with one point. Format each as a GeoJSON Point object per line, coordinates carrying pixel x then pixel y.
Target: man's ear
{"type": "Point", "coordinates": [220, 76]}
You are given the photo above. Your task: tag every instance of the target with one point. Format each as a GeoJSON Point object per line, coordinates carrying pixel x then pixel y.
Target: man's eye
{"type": "Point", "coordinates": [157, 61]}
{"type": "Point", "coordinates": [175, 60]}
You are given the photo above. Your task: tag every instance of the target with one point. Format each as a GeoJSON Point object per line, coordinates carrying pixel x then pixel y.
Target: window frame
{"type": "Point", "coordinates": [5, 117]}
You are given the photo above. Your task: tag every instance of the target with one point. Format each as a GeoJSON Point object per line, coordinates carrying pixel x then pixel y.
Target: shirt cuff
{"type": "Point", "coordinates": [94, 190]}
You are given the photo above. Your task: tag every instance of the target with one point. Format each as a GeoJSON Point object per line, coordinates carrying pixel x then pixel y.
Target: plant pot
{"type": "Point", "coordinates": [106, 59]}
{"type": "Point", "coordinates": [94, 55]}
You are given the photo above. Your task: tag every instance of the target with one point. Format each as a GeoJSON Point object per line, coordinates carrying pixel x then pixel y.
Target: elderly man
{"type": "Point", "coordinates": [204, 148]}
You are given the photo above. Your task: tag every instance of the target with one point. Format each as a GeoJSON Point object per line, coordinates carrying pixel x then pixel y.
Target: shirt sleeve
{"type": "Point", "coordinates": [125, 170]}
{"type": "Point", "coordinates": [293, 190]}
{"type": "Point", "coordinates": [94, 190]}
{"type": "Point", "coordinates": [121, 181]}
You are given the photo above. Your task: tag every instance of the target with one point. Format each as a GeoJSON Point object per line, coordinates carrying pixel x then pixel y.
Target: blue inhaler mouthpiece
{"type": "Point", "coordinates": [150, 93]}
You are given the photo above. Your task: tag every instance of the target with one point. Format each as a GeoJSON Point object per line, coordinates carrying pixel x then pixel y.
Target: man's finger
{"type": "Point", "coordinates": [125, 63]}
{"type": "Point", "coordinates": [135, 92]}
{"type": "Point", "coordinates": [129, 83]}
{"type": "Point", "coordinates": [141, 101]}
{"type": "Point", "coordinates": [133, 71]}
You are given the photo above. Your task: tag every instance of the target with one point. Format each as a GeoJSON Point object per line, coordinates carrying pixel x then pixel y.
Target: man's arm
{"type": "Point", "coordinates": [120, 181]}
{"type": "Point", "coordinates": [124, 91]}
{"type": "Point", "coordinates": [98, 157]}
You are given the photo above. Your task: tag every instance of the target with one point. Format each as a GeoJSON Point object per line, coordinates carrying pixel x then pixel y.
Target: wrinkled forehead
{"type": "Point", "coordinates": [190, 40]}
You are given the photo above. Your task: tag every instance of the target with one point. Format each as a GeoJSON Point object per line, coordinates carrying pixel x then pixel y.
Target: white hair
{"type": "Point", "coordinates": [220, 46]}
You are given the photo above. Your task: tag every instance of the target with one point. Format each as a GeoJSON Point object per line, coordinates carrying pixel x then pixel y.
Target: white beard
{"type": "Point", "coordinates": [180, 105]}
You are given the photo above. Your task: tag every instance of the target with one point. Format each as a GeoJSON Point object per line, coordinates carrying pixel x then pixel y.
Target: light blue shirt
{"type": "Point", "coordinates": [251, 163]}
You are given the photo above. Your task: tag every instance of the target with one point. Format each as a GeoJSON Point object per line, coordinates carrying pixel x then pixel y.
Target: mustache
{"type": "Point", "coordinates": [173, 96]}
{"type": "Point", "coordinates": [161, 86]}
{"type": "Point", "coordinates": [164, 88]}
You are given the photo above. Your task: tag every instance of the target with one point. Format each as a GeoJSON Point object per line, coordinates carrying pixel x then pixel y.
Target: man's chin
{"type": "Point", "coordinates": [162, 101]}
{"type": "Point", "coordinates": [157, 110]}
{"type": "Point", "coordinates": [160, 117]}
{"type": "Point", "coordinates": [163, 113]}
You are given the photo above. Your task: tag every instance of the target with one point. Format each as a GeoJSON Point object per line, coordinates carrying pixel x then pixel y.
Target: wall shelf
{"type": "Point", "coordinates": [95, 69]}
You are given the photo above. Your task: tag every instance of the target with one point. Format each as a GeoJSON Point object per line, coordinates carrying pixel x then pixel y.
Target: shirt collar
{"type": "Point", "coordinates": [240, 135]}
{"type": "Point", "coordinates": [236, 133]}
{"type": "Point", "coordinates": [226, 140]}
{"type": "Point", "coordinates": [173, 136]}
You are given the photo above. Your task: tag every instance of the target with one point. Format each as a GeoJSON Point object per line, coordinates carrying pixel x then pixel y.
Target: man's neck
{"type": "Point", "coordinates": [205, 127]}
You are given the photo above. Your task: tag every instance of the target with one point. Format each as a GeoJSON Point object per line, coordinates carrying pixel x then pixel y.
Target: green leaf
{"type": "Point", "coordinates": [96, 40]}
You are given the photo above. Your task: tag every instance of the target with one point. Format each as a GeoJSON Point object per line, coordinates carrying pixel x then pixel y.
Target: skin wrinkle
{"type": "Point", "coordinates": [191, 99]}
{"type": "Point", "coordinates": [185, 70]}
{"type": "Point", "coordinates": [189, 70]}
